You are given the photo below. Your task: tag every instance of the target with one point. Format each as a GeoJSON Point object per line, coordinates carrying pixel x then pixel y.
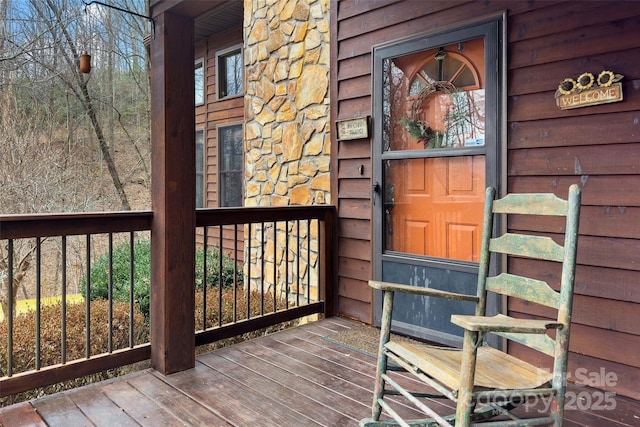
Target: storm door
{"type": "Point", "coordinates": [436, 132]}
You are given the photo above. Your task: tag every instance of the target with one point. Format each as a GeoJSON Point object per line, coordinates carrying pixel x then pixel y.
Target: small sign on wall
{"type": "Point", "coordinates": [587, 91]}
{"type": "Point", "coordinates": [353, 128]}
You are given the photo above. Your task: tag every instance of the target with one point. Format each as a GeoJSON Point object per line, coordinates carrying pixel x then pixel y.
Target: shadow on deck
{"type": "Point", "coordinates": [291, 378]}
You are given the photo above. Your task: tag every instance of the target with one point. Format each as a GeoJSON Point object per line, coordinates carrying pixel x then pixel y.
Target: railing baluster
{"type": "Point", "coordinates": [110, 297]}
{"type": "Point", "coordinates": [220, 252]}
{"type": "Point", "coordinates": [262, 249]}
{"type": "Point", "coordinates": [38, 302]}
{"type": "Point", "coordinates": [286, 265]}
{"type": "Point", "coordinates": [319, 270]}
{"type": "Point", "coordinates": [235, 270]}
{"type": "Point", "coordinates": [88, 301]}
{"type": "Point", "coordinates": [9, 316]}
{"type": "Point", "coordinates": [248, 290]}
{"type": "Point", "coordinates": [299, 252]}
{"type": "Point", "coordinates": [308, 261]}
{"type": "Point", "coordinates": [275, 265]}
{"type": "Point", "coordinates": [63, 344]}
{"type": "Point", "coordinates": [204, 279]}
{"type": "Point", "coordinates": [132, 279]}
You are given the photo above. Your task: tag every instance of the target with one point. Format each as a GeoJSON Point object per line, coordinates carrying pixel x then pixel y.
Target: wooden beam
{"type": "Point", "coordinates": [173, 194]}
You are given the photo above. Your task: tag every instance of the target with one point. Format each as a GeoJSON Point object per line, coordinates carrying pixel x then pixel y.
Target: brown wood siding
{"type": "Point", "coordinates": [547, 150]}
{"type": "Point", "coordinates": [209, 116]}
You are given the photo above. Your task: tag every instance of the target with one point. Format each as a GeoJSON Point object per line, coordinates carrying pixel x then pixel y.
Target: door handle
{"type": "Point", "coordinates": [376, 191]}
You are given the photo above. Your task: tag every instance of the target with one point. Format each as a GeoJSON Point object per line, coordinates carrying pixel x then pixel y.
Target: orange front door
{"type": "Point", "coordinates": [437, 209]}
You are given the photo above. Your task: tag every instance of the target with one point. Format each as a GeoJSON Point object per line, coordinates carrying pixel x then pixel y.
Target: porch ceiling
{"type": "Point", "coordinates": [211, 17]}
{"type": "Point", "coordinates": [220, 18]}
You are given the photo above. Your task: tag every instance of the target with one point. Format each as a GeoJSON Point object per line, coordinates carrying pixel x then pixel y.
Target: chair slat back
{"type": "Point", "coordinates": [543, 343]}
{"type": "Point", "coordinates": [534, 246]}
{"type": "Point", "coordinates": [531, 204]}
{"type": "Point", "coordinates": [528, 246]}
{"type": "Point", "coordinates": [524, 287]}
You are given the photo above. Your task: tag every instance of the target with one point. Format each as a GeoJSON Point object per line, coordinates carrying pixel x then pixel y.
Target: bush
{"type": "Point", "coordinates": [214, 278]}
{"type": "Point", "coordinates": [121, 275]}
{"type": "Point", "coordinates": [51, 325]}
{"type": "Point", "coordinates": [142, 275]}
{"type": "Point", "coordinates": [51, 341]}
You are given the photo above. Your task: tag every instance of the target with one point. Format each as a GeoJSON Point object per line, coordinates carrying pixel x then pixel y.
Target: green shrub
{"type": "Point", "coordinates": [142, 275]}
{"type": "Point", "coordinates": [214, 278]}
{"type": "Point", "coordinates": [121, 275]}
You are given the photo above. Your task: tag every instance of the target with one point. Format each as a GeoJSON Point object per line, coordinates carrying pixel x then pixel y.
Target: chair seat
{"type": "Point", "coordinates": [494, 369]}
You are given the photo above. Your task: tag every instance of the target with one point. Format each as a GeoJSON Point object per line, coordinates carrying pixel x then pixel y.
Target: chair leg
{"type": "Point", "coordinates": [385, 335]}
{"type": "Point", "coordinates": [467, 370]}
{"type": "Point", "coordinates": [556, 411]}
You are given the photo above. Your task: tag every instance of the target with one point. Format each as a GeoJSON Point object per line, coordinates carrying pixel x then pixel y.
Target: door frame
{"type": "Point", "coordinates": [493, 29]}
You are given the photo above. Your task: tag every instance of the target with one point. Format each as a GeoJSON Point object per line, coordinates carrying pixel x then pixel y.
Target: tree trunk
{"type": "Point", "coordinates": [88, 104]}
{"type": "Point", "coordinates": [104, 148]}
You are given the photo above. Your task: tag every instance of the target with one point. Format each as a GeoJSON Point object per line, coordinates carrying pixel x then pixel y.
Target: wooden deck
{"type": "Point", "coordinates": [291, 378]}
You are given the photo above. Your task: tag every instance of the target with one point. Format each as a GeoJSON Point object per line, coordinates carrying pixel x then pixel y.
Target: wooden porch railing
{"type": "Point", "coordinates": [248, 236]}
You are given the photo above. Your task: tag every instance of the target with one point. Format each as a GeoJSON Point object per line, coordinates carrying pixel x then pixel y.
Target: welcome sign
{"type": "Point", "coordinates": [589, 97]}
{"type": "Point", "coordinates": [587, 90]}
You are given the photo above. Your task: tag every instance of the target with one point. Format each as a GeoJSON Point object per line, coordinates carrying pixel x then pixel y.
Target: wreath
{"type": "Point", "coordinates": [418, 129]}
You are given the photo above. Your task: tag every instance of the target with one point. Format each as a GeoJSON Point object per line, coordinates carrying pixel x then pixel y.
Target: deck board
{"type": "Point", "coordinates": [283, 386]}
{"type": "Point", "coordinates": [293, 378]}
{"type": "Point", "coordinates": [182, 406]}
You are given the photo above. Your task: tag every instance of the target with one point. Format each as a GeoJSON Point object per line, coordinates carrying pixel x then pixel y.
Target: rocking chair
{"type": "Point", "coordinates": [483, 381]}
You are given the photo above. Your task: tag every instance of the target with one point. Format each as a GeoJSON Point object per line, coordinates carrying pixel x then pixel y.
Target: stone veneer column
{"type": "Point", "coordinates": [287, 144]}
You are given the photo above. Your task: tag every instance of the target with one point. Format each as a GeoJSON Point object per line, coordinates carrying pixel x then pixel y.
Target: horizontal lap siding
{"type": "Point", "coordinates": [214, 112]}
{"type": "Point", "coordinates": [360, 26]}
{"type": "Point", "coordinates": [597, 147]}
{"type": "Point", "coordinates": [209, 116]}
{"type": "Point", "coordinates": [547, 150]}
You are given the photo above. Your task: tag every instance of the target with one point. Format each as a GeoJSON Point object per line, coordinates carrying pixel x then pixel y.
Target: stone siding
{"type": "Point", "coordinates": [287, 144]}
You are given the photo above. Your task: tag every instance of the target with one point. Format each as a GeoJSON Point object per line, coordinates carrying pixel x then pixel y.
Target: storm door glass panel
{"type": "Point", "coordinates": [231, 161]}
{"type": "Point", "coordinates": [435, 99]}
{"type": "Point", "coordinates": [433, 137]}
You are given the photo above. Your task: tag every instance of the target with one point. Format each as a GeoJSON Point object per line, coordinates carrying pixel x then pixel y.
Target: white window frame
{"type": "Point", "coordinates": [219, 75]}
{"type": "Point", "coordinates": [200, 92]}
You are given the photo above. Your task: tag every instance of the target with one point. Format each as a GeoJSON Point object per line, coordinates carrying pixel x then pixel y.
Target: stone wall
{"type": "Point", "coordinates": [287, 144]}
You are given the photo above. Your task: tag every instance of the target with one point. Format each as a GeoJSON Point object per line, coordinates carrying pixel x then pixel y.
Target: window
{"type": "Point", "coordinates": [199, 80]}
{"type": "Point", "coordinates": [230, 72]}
{"type": "Point", "coordinates": [231, 161]}
{"type": "Point", "coordinates": [200, 179]}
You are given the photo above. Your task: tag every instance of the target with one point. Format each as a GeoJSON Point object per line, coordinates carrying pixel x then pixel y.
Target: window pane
{"type": "Point", "coordinates": [231, 162]}
{"type": "Point", "coordinates": [232, 189]}
{"type": "Point", "coordinates": [199, 80]}
{"type": "Point", "coordinates": [230, 67]}
{"type": "Point", "coordinates": [199, 169]}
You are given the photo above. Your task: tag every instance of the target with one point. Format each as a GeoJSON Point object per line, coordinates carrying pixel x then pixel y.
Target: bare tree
{"type": "Point", "coordinates": [30, 184]}
{"type": "Point", "coordinates": [51, 116]}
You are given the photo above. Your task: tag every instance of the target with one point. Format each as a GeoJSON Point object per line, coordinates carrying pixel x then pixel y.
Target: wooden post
{"type": "Point", "coordinates": [173, 194]}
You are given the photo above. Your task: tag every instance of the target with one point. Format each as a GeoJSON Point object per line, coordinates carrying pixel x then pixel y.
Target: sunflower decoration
{"type": "Point", "coordinates": [606, 78]}
{"type": "Point", "coordinates": [567, 86]}
{"type": "Point", "coordinates": [585, 81]}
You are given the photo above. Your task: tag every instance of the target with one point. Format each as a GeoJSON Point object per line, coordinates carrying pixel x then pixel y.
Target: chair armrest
{"type": "Point", "coordinates": [396, 287]}
{"type": "Point", "coordinates": [501, 323]}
